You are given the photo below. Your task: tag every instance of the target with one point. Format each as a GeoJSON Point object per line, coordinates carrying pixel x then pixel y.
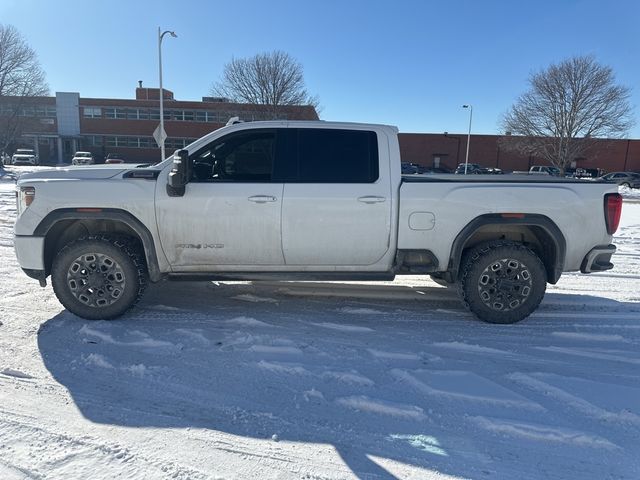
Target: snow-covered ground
{"type": "Point", "coordinates": [322, 381]}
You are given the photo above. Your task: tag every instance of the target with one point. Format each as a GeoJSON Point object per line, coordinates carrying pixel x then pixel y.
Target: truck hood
{"type": "Point", "coordinates": [74, 173]}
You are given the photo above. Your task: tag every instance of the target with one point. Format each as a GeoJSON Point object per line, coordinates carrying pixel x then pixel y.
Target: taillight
{"type": "Point", "coordinates": [612, 211]}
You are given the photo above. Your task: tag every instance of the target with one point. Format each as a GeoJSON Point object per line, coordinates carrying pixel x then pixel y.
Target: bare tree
{"type": "Point", "coordinates": [21, 79]}
{"type": "Point", "coordinates": [566, 106]}
{"type": "Point", "coordinates": [274, 79]}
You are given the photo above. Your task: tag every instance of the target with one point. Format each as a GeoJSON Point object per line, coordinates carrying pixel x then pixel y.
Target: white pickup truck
{"type": "Point", "coordinates": [306, 200]}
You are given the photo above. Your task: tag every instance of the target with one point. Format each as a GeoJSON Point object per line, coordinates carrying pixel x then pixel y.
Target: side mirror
{"type": "Point", "coordinates": [180, 174]}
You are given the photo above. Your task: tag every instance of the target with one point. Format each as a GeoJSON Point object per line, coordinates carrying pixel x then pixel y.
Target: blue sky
{"type": "Point", "coordinates": [406, 63]}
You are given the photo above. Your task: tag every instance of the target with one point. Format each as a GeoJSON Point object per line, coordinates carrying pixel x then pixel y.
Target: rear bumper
{"type": "Point", "coordinates": [598, 259]}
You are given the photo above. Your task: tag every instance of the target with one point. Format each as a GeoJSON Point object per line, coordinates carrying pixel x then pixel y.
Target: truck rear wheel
{"type": "Point", "coordinates": [99, 277]}
{"type": "Point", "coordinates": [501, 281]}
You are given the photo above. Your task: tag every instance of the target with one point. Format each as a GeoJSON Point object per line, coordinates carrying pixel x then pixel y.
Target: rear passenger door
{"type": "Point", "coordinates": [336, 208]}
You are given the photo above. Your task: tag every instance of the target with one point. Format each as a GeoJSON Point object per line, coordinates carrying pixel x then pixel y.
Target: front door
{"type": "Point", "coordinates": [230, 212]}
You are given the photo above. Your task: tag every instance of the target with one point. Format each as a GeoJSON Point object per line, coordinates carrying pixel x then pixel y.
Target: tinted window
{"type": "Point", "coordinates": [337, 156]}
{"type": "Point", "coordinates": [240, 157]}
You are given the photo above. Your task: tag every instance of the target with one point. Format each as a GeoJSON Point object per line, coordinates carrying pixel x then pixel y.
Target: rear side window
{"type": "Point", "coordinates": [337, 156]}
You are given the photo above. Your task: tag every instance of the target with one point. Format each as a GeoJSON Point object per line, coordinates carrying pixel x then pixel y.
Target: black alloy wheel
{"type": "Point", "coordinates": [99, 277]}
{"type": "Point", "coordinates": [501, 281]}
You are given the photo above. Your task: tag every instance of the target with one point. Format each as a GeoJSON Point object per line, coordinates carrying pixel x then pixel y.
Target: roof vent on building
{"type": "Point", "coordinates": [234, 120]}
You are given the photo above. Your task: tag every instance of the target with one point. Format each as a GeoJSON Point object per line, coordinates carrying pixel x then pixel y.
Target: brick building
{"type": "Point", "coordinates": [57, 127]}
{"type": "Point", "coordinates": [448, 150]}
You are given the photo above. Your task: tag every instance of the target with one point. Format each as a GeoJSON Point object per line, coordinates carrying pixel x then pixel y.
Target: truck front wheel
{"type": "Point", "coordinates": [501, 281]}
{"type": "Point", "coordinates": [99, 277]}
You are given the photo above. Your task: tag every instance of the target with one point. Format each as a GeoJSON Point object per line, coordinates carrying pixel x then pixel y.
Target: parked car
{"type": "Point", "coordinates": [114, 158]}
{"type": "Point", "coordinates": [345, 211]}
{"type": "Point", "coordinates": [83, 158]}
{"type": "Point", "coordinates": [25, 156]}
{"type": "Point", "coordinates": [624, 179]}
{"type": "Point", "coordinates": [545, 170]}
{"type": "Point", "coordinates": [409, 168]}
{"type": "Point", "coordinates": [476, 169]}
{"type": "Point", "coordinates": [436, 170]}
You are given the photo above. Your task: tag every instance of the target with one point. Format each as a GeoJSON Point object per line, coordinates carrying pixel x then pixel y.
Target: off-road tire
{"type": "Point", "coordinates": [501, 281]}
{"type": "Point", "coordinates": [99, 277]}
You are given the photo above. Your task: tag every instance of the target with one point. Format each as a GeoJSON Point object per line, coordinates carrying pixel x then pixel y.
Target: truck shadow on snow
{"type": "Point", "coordinates": [376, 374]}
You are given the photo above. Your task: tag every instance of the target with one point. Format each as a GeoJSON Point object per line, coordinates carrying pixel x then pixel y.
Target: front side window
{"type": "Point", "coordinates": [241, 157]}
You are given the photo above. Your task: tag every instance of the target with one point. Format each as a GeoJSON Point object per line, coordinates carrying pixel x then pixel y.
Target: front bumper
{"type": "Point", "coordinates": [598, 259]}
{"type": "Point", "coordinates": [30, 251]}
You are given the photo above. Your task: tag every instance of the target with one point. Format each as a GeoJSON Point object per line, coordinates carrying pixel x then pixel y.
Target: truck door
{"type": "Point", "coordinates": [337, 211]}
{"type": "Point", "coordinates": [230, 212]}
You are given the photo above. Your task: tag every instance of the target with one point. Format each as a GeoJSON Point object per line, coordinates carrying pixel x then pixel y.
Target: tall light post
{"type": "Point", "coordinates": [162, 133]}
{"type": "Point", "coordinates": [466, 159]}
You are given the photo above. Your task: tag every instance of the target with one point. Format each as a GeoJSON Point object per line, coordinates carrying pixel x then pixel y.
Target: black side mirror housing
{"type": "Point", "coordinates": [180, 174]}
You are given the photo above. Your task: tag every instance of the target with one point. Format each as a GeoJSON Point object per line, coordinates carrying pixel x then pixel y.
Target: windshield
{"type": "Point", "coordinates": [83, 154]}
{"type": "Point", "coordinates": [24, 151]}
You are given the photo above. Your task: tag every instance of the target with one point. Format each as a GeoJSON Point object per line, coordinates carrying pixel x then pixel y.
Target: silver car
{"type": "Point", "coordinates": [24, 156]}
{"type": "Point", "coordinates": [624, 179]}
{"type": "Point", "coordinates": [83, 158]}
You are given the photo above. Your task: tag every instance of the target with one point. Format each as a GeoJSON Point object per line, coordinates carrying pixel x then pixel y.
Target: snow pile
{"type": "Point", "coordinates": [629, 193]}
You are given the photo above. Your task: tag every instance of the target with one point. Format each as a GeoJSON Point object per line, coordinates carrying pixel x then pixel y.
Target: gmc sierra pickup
{"type": "Point", "coordinates": [306, 200]}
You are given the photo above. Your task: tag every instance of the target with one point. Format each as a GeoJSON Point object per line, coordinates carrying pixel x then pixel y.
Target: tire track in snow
{"type": "Point", "coordinates": [574, 402]}
{"type": "Point", "coordinates": [543, 433]}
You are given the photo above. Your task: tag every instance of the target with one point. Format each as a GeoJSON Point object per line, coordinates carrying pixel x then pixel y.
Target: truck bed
{"type": "Point", "coordinates": [507, 178]}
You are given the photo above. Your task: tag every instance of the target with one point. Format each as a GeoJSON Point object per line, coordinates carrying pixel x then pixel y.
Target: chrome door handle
{"type": "Point", "coordinates": [262, 199]}
{"type": "Point", "coordinates": [371, 199]}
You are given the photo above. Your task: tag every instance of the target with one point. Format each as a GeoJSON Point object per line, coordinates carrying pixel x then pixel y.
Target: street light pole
{"type": "Point", "coordinates": [466, 160]}
{"type": "Point", "coordinates": [160, 37]}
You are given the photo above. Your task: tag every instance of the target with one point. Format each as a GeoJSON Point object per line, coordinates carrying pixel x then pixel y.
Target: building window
{"type": "Point", "coordinates": [93, 141]}
{"type": "Point", "coordinates": [119, 113]}
{"type": "Point", "coordinates": [145, 142]}
{"type": "Point", "coordinates": [92, 112]}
